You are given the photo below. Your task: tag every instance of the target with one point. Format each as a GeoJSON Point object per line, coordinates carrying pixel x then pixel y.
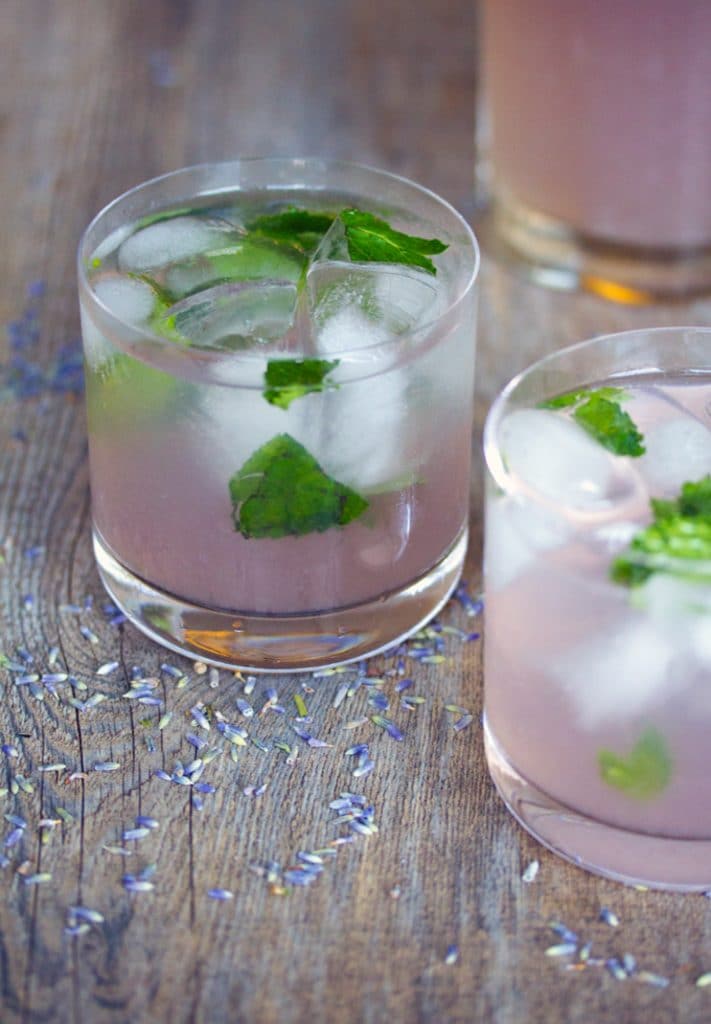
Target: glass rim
{"type": "Point", "coordinates": [325, 166]}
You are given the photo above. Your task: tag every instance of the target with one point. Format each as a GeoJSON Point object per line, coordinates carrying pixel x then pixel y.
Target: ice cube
{"type": "Point", "coordinates": [554, 457]}
{"type": "Point", "coordinates": [681, 608]}
{"type": "Point", "coordinates": [233, 316]}
{"type": "Point", "coordinates": [669, 599]}
{"type": "Point", "coordinates": [517, 531]}
{"type": "Point", "coordinates": [333, 245]}
{"type": "Point", "coordinates": [133, 301]}
{"type": "Point", "coordinates": [244, 259]}
{"type": "Point", "coordinates": [168, 241]}
{"type": "Point", "coordinates": [360, 433]}
{"type": "Point", "coordinates": [676, 451]}
{"type": "Point", "coordinates": [366, 423]}
{"type": "Point", "coordinates": [385, 300]}
{"type": "Point", "coordinates": [620, 674]}
{"type": "Point", "coordinates": [700, 630]}
{"type": "Point", "coordinates": [97, 348]}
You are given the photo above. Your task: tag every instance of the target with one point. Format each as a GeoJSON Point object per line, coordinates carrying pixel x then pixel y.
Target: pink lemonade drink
{"type": "Point", "coordinates": [279, 364]}
{"type": "Point", "coordinates": [600, 140]}
{"type": "Point", "coordinates": [598, 589]}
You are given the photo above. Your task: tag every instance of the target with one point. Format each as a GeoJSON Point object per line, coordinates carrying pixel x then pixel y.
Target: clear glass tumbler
{"type": "Point", "coordinates": [598, 590]}
{"type": "Point", "coordinates": [597, 132]}
{"type": "Point", "coordinates": [279, 399]}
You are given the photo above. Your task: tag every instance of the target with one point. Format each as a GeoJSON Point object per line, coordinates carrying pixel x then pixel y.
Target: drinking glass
{"type": "Point", "coordinates": [279, 430]}
{"type": "Point", "coordinates": [598, 592]}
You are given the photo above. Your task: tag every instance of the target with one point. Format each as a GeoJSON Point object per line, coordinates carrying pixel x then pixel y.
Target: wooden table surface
{"type": "Point", "coordinates": [96, 97]}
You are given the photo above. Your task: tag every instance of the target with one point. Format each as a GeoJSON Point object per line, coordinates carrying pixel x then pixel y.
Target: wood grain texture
{"type": "Point", "coordinates": [96, 97]}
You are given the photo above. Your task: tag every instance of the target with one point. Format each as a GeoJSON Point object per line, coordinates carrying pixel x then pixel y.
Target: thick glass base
{"type": "Point", "coordinates": [635, 858]}
{"type": "Point", "coordinates": [281, 643]}
{"type": "Point", "coordinates": [552, 253]}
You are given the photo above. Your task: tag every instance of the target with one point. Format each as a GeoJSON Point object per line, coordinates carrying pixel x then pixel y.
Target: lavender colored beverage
{"type": "Point", "coordinates": [279, 361]}
{"type": "Point", "coordinates": [598, 583]}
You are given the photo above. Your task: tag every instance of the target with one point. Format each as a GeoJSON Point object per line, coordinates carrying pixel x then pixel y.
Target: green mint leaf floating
{"type": "Point", "coordinates": [598, 411]}
{"type": "Point", "coordinates": [288, 379]}
{"type": "Point", "coordinates": [301, 228]}
{"type": "Point", "coordinates": [681, 532]}
{"type": "Point", "coordinates": [644, 773]}
{"type": "Point", "coordinates": [372, 240]}
{"type": "Point", "coordinates": [609, 424]}
{"type": "Point", "coordinates": [282, 491]}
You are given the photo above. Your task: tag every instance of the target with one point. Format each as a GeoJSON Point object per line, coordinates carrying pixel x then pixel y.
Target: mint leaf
{"type": "Point", "coordinates": [369, 238]}
{"type": "Point", "coordinates": [644, 773]}
{"type": "Point", "coordinates": [681, 531]}
{"type": "Point", "coordinates": [609, 424]}
{"type": "Point", "coordinates": [282, 491]}
{"type": "Point", "coordinates": [598, 412]}
{"type": "Point", "coordinates": [372, 240]}
{"type": "Point", "coordinates": [301, 228]}
{"type": "Point", "coordinates": [288, 379]}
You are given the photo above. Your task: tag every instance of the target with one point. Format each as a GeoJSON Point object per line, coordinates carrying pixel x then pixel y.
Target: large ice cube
{"type": "Point", "coordinates": [700, 630]}
{"type": "Point", "coordinates": [233, 316]}
{"type": "Point", "coordinates": [361, 437]}
{"type": "Point", "coordinates": [669, 599]}
{"type": "Point", "coordinates": [681, 608]}
{"type": "Point", "coordinates": [384, 300]}
{"type": "Point", "coordinates": [168, 241]}
{"type": "Point", "coordinates": [618, 675]}
{"type": "Point", "coordinates": [133, 301]}
{"type": "Point", "coordinates": [233, 423]}
{"type": "Point", "coordinates": [243, 259]}
{"type": "Point", "coordinates": [676, 451]}
{"type": "Point", "coordinates": [554, 457]}
{"type": "Point", "coordinates": [333, 245]}
{"type": "Point", "coordinates": [360, 432]}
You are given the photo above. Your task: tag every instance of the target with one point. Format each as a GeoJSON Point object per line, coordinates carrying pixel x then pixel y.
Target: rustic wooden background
{"type": "Point", "coordinates": [97, 96]}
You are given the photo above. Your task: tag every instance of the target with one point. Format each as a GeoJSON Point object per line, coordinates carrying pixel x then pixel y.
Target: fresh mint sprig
{"type": "Point", "coordinates": [282, 491]}
{"type": "Point", "coordinates": [369, 239]}
{"type": "Point", "coordinates": [679, 534]}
